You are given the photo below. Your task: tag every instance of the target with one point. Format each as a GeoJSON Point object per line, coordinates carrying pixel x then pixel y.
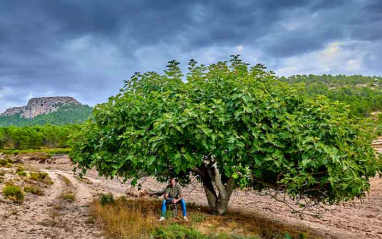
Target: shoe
{"type": "Point", "coordinates": [185, 218]}
{"type": "Point", "coordinates": [162, 219]}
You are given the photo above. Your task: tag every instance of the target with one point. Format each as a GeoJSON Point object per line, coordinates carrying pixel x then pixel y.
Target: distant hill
{"type": "Point", "coordinates": [362, 93]}
{"type": "Point", "coordinates": [47, 110]}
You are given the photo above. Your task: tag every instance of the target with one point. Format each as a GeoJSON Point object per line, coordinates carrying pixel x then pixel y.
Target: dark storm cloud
{"type": "Point", "coordinates": [87, 48]}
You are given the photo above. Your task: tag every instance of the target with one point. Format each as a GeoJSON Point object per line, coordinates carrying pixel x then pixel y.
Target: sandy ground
{"type": "Point", "coordinates": [50, 216]}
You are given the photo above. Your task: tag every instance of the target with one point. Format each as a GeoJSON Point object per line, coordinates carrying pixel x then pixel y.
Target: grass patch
{"type": "Point", "coordinates": [68, 196]}
{"type": "Point", "coordinates": [41, 177]}
{"type": "Point", "coordinates": [176, 231]}
{"type": "Point", "coordinates": [34, 190]}
{"type": "Point", "coordinates": [84, 180]}
{"type": "Point", "coordinates": [22, 173]}
{"type": "Point", "coordinates": [19, 169]}
{"type": "Point", "coordinates": [13, 192]}
{"type": "Point", "coordinates": [132, 218]}
{"type": "Point", "coordinates": [6, 162]}
{"type": "Point", "coordinates": [50, 152]}
{"type": "Point", "coordinates": [105, 199]}
{"type": "Point", "coordinates": [198, 217]}
{"type": "Point", "coordinates": [126, 218]}
{"type": "Point", "coordinates": [66, 181]}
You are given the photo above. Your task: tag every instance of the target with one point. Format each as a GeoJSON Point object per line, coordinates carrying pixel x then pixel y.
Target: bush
{"type": "Point", "coordinates": [106, 199]}
{"type": "Point", "coordinates": [22, 173]}
{"type": "Point", "coordinates": [34, 190]}
{"type": "Point", "coordinates": [13, 192]}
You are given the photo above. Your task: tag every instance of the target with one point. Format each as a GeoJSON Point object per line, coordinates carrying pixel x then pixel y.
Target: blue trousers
{"type": "Point", "coordinates": [182, 202]}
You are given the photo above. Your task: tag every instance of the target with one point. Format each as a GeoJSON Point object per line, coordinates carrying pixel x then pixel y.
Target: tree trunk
{"type": "Point", "coordinates": [217, 198]}
{"type": "Point", "coordinates": [211, 195]}
{"type": "Point", "coordinates": [222, 206]}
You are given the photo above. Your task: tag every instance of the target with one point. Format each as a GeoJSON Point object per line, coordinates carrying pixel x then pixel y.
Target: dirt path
{"type": "Point", "coordinates": [50, 216]}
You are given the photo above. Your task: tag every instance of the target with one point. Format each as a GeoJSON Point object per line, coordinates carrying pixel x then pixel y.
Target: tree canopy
{"type": "Point", "coordinates": [230, 125]}
{"type": "Point", "coordinates": [362, 93]}
{"type": "Point", "coordinates": [35, 137]}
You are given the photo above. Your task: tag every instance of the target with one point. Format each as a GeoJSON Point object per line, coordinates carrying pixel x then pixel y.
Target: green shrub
{"type": "Point", "coordinates": [303, 236]}
{"type": "Point", "coordinates": [22, 173]}
{"type": "Point", "coordinates": [13, 192]}
{"type": "Point", "coordinates": [287, 236]}
{"type": "Point", "coordinates": [106, 199]}
{"type": "Point", "coordinates": [68, 196]}
{"type": "Point", "coordinates": [34, 190]}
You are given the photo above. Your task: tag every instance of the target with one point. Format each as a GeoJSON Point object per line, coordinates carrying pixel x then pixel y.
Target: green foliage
{"type": "Point", "coordinates": [176, 231]}
{"type": "Point", "coordinates": [198, 217]}
{"type": "Point", "coordinates": [47, 151]}
{"type": "Point", "coordinates": [22, 173]}
{"type": "Point", "coordinates": [35, 137]}
{"type": "Point", "coordinates": [105, 199]}
{"type": "Point", "coordinates": [287, 236]}
{"type": "Point", "coordinates": [363, 94]}
{"type": "Point", "coordinates": [66, 114]}
{"type": "Point", "coordinates": [13, 192]}
{"type": "Point", "coordinates": [230, 236]}
{"type": "Point", "coordinates": [236, 118]}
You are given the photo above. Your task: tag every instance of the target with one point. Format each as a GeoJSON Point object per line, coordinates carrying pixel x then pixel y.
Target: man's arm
{"type": "Point", "coordinates": [166, 193]}
{"type": "Point", "coordinates": [180, 198]}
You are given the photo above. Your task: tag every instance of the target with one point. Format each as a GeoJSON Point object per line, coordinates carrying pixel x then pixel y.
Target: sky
{"type": "Point", "coordinates": [87, 48]}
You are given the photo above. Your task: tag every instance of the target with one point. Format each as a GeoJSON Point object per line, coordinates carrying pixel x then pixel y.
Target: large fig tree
{"type": "Point", "coordinates": [230, 125]}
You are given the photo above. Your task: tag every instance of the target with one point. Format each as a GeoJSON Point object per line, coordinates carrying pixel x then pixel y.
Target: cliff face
{"type": "Point", "coordinates": [38, 106]}
{"type": "Point", "coordinates": [13, 111]}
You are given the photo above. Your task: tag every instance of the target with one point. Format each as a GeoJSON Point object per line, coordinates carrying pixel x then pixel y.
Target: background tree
{"type": "Point", "coordinates": [35, 137]}
{"type": "Point", "coordinates": [230, 125]}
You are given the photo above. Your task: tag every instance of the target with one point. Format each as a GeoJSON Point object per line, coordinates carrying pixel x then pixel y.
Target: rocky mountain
{"type": "Point", "coordinates": [39, 106]}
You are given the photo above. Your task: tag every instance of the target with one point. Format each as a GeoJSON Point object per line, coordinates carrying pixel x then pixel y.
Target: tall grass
{"type": "Point", "coordinates": [138, 218]}
{"type": "Point", "coordinates": [126, 219]}
{"type": "Point", "coordinates": [13, 192]}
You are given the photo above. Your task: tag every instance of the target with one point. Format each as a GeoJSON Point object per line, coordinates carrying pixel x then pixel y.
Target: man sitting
{"type": "Point", "coordinates": [173, 194]}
